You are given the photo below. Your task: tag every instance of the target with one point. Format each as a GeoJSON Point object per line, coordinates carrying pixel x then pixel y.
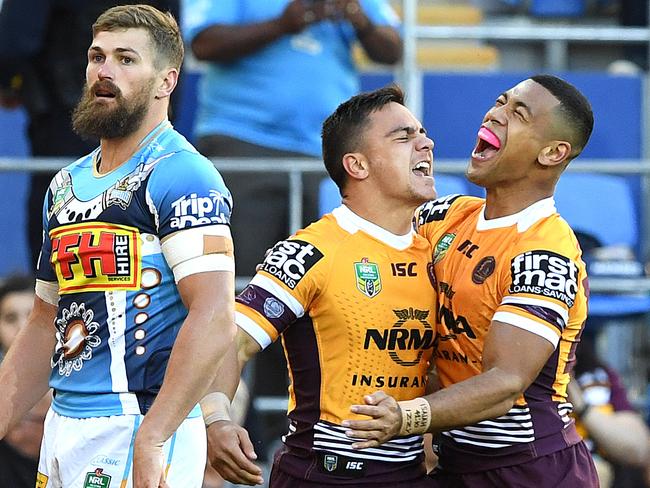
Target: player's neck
{"type": "Point", "coordinates": [115, 152]}
{"type": "Point", "coordinates": [396, 219]}
{"type": "Point", "coordinates": [501, 202]}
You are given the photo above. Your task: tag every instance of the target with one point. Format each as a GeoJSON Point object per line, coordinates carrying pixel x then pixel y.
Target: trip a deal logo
{"type": "Point", "coordinates": [96, 256]}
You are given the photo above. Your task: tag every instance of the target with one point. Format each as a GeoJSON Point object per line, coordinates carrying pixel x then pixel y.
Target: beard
{"type": "Point", "coordinates": [94, 119]}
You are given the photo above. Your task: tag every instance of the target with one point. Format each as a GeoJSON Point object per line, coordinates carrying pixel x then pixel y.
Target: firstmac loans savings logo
{"type": "Point", "coordinates": [545, 273]}
{"type": "Point", "coordinates": [96, 256]}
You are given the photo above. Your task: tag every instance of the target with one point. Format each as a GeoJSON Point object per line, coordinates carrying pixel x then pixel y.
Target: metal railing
{"type": "Point", "coordinates": [296, 168]}
{"type": "Point", "coordinates": [556, 39]}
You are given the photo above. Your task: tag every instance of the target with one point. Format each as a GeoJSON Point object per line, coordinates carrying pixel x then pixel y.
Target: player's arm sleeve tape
{"type": "Point", "coordinates": [192, 251]}
{"type": "Point", "coordinates": [48, 291]}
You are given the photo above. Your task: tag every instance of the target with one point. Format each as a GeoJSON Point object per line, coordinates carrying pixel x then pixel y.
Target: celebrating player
{"type": "Point", "coordinates": [512, 304]}
{"type": "Point", "coordinates": [351, 297]}
{"type": "Point", "coordinates": [135, 293]}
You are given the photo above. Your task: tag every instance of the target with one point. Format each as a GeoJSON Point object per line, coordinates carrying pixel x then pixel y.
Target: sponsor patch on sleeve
{"type": "Point", "coordinates": [194, 209]}
{"type": "Point", "coordinates": [435, 210]}
{"type": "Point", "coordinates": [290, 260]}
{"type": "Point", "coordinates": [545, 273]}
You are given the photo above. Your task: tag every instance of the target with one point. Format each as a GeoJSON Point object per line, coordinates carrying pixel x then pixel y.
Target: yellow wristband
{"type": "Point", "coordinates": [416, 416]}
{"type": "Point", "coordinates": [215, 406]}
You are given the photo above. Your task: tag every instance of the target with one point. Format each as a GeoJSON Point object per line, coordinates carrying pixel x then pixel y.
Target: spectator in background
{"type": "Point", "coordinates": [16, 298]}
{"type": "Point", "coordinates": [276, 69]}
{"type": "Point", "coordinates": [615, 433]}
{"type": "Point", "coordinates": [20, 447]}
{"type": "Point", "coordinates": [43, 46]}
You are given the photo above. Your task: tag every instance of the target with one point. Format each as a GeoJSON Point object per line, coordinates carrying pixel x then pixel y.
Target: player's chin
{"type": "Point", "coordinates": [424, 187]}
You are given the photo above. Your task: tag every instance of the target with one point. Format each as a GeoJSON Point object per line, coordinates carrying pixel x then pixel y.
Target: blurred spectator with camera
{"type": "Point", "coordinates": [276, 69]}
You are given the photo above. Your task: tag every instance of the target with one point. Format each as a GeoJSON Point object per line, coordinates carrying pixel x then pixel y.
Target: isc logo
{"type": "Point", "coordinates": [290, 260]}
{"type": "Point", "coordinates": [354, 465]}
{"type": "Point", "coordinates": [545, 273]}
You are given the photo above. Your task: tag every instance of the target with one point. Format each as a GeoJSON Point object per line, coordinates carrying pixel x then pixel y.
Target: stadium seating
{"type": "Point", "coordinates": [557, 8]}
{"type": "Point", "coordinates": [602, 206]}
{"type": "Point", "coordinates": [443, 55]}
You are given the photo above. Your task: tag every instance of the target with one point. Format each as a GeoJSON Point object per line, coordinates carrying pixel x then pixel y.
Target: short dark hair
{"type": "Point", "coordinates": [342, 130]}
{"type": "Point", "coordinates": [162, 28]}
{"type": "Point", "coordinates": [574, 109]}
{"type": "Point", "coordinates": [16, 283]}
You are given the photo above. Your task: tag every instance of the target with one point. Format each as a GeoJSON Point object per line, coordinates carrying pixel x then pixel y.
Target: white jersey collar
{"type": "Point", "coordinates": [351, 222]}
{"type": "Point", "coordinates": [524, 219]}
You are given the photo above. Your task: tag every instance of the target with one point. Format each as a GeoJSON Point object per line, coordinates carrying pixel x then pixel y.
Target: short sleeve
{"type": "Point", "coordinates": [197, 15]}
{"type": "Point", "coordinates": [542, 289]}
{"type": "Point", "coordinates": [44, 270]}
{"type": "Point", "coordinates": [380, 12]}
{"type": "Point", "coordinates": [282, 291]}
{"type": "Point", "coordinates": [186, 191]}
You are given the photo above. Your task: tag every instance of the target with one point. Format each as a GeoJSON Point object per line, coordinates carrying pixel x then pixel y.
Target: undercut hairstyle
{"type": "Point", "coordinates": [574, 110]}
{"type": "Point", "coordinates": [343, 130]}
{"type": "Point", "coordinates": [162, 28]}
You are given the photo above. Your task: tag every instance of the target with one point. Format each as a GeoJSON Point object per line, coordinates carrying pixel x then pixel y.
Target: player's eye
{"type": "Point", "coordinates": [127, 60]}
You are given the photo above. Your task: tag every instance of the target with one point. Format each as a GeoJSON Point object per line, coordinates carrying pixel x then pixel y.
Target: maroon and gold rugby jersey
{"type": "Point", "coordinates": [355, 308]}
{"type": "Point", "coordinates": [525, 270]}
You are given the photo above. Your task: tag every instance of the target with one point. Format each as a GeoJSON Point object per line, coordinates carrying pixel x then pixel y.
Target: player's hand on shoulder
{"type": "Point", "coordinates": [231, 453]}
{"type": "Point", "coordinates": [384, 424]}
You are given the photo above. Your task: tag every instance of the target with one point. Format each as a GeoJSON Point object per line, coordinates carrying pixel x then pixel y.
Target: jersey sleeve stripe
{"type": "Point", "coordinates": [253, 329]}
{"type": "Point", "coordinates": [544, 314]}
{"type": "Point", "coordinates": [528, 324]}
{"type": "Point", "coordinates": [275, 311]}
{"type": "Point", "coordinates": [558, 309]}
{"type": "Point", "coordinates": [279, 292]}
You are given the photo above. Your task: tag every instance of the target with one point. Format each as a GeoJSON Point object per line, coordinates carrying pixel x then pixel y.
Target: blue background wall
{"type": "Point", "coordinates": [454, 105]}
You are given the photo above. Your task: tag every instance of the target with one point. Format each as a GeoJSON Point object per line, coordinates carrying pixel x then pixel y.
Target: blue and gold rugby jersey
{"type": "Point", "coordinates": [355, 309]}
{"type": "Point", "coordinates": [525, 270]}
{"type": "Point", "coordinates": [119, 310]}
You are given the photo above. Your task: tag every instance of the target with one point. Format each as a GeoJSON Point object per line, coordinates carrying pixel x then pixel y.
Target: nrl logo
{"type": "Point", "coordinates": [330, 462]}
{"type": "Point", "coordinates": [442, 247]}
{"type": "Point", "coordinates": [97, 479]}
{"type": "Point", "coordinates": [62, 195]}
{"type": "Point", "coordinates": [368, 279]}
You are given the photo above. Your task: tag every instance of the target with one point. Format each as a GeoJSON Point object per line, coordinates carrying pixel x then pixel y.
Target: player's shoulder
{"type": "Point", "coordinates": [80, 164]}
{"type": "Point", "coordinates": [444, 207]}
{"type": "Point", "coordinates": [325, 234]}
{"type": "Point", "coordinates": [551, 232]}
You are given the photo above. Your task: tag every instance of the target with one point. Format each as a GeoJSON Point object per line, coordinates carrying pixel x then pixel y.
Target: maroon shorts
{"type": "Point", "coordinates": [569, 468]}
{"type": "Point", "coordinates": [280, 479]}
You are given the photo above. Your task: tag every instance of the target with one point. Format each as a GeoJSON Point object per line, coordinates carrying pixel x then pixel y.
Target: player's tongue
{"type": "Point", "coordinates": [489, 137]}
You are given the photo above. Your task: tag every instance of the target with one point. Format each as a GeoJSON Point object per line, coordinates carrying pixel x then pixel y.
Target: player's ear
{"type": "Point", "coordinates": [167, 83]}
{"type": "Point", "coordinates": [355, 165]}
{"type": "Point", "coordinates": [556, 152]}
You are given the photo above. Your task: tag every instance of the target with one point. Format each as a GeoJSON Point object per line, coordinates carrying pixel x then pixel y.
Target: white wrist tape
{"type": "Point", "coordinates": [215, 406]}
{"type": "Point", "coordinates": [416, 416]}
